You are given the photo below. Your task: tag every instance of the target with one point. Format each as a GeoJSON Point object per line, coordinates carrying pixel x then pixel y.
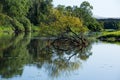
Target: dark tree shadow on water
{"type": "Point", "coordinates": [14, 55]}
{"type": "Point", "coordinates": [61, 55]}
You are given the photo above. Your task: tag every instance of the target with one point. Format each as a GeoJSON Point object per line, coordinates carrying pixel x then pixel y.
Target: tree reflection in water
{"type": "Point", "coordinates": [57, 56]}
{"type": "Point", "coordinates": [14, 55]}
{"type": "Point", "coordinates": [62, 55]}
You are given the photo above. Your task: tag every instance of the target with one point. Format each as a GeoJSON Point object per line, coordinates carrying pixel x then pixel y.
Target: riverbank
{"type": "Point", "coordinates": [46, 31]}
{"type": "Point", "coordinates": [110, 36]}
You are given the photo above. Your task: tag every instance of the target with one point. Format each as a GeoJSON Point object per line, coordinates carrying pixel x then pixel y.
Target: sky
{"type": "Point", "coordinates": [101, 8]}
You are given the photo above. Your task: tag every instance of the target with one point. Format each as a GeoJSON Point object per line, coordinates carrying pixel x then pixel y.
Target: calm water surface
{"type": "Point", "coordinates": [26, 58]}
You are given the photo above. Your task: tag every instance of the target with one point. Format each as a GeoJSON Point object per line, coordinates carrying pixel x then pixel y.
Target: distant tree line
{"type": "Point", "coordinates": [110, 23]}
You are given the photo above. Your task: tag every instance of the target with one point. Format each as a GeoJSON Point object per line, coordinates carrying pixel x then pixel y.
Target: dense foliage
{"type": "Point", "coordinates": [20, 14]}
{"type": "Point", "coordinates": [110, 23]}
{"type": "Point", "coordinates": [17, 10]}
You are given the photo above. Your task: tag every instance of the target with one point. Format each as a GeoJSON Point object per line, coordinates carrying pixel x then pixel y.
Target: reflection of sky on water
{"type": "Point", "coordinates": [102, 65]}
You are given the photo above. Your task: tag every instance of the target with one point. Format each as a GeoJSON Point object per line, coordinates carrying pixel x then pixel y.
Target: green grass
{"type": "Point", "coordinates": [114, 33]}
{"type": "Point", "coordinates": [110, 36]}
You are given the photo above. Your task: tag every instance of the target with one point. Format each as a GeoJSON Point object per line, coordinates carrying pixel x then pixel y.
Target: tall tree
{"type": "Point", "coordinates": [15, 8]}
{"type": "Point", "coordinates": [86, 12]}
{"type": "Point", "coordinates": [39, 11]}
{"type": "Point", "coordinates": [17, 11]}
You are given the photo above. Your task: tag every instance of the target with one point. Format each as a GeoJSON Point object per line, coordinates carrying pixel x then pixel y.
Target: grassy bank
{"type": "Point", "coordinates": [110, 36]}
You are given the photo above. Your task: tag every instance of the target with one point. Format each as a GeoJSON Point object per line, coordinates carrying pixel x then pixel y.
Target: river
{"type": "Point", "coordinates": [26, 58]}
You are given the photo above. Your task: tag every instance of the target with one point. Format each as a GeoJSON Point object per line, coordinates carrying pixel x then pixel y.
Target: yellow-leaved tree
{"type": "Point", "coordinates": [61, 21]}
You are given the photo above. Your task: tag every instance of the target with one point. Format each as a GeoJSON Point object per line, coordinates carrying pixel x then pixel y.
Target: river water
{"type": "Point", "coordinates": [24, 58]}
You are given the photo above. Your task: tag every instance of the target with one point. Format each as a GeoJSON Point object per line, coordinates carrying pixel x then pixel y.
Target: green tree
{"type": "Point", "coordinates": [17, 11]}
{"type": "Point", "coordinates": [61, 9]}
{"type": "Point", "coordinates": [95, 26]}
{"type": "Point", "coordinates": [39, 11]}
{"type": "Point", "coordinates": [14, 55]}
{"type": "Point", "coordinates": [15, 8]}
{"type": "Point", "coordinates": [86, 12]}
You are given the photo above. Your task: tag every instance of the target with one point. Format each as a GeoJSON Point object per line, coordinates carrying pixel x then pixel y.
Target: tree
{"type": "Point", "coordinates": [86, 7]}
{"type": "Point", "coordinates": [69, 10]}
{"type": "Point", "coordinates": [61, 8]}
{"type": "Point", "coordinates": [62, 21]}
{"type": "Point", "coordinates": [94, 26]}
{"type": "Point", "coordinates": [17, 11]}
{"type": "Point", "coordinates": [86, 12]}
{"type": "Point", "coordinates": [39, 11]}
{"type": "Point", "coordinates": [15, 8]}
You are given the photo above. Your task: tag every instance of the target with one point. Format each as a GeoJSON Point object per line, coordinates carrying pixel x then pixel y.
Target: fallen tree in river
{"type": "Point", "coordinates": [70, 38]}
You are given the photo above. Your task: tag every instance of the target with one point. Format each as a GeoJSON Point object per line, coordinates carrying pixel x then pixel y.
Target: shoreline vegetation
{"type": "Point", "coordinates": [113, 36]}
{"type": "Point", "coordinates": [42, 17]}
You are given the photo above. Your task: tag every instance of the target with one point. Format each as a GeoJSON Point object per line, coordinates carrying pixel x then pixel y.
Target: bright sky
{"type": "Point", "coordinates": [102, 8]}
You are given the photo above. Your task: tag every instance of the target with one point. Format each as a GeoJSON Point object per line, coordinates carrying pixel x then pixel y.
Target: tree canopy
{"type": "Point", "coordinates": [23, 13]}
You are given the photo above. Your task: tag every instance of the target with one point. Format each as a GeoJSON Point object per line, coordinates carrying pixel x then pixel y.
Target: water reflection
{"type": "Point", "coordinates": [14, 55]}
{"type": "Point", "coordinates": [56, 56]}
